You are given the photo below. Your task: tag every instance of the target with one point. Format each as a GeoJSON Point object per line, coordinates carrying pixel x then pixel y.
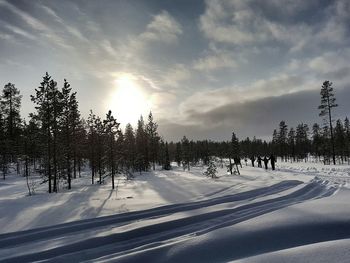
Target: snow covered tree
{"type": "Point", "coordinates": [211, 169]}
{"type": "Point", "coordinates": [326, 106]}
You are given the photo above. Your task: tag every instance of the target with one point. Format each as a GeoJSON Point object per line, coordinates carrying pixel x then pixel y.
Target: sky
{"type": "Point", "coordinates": [204, 68]}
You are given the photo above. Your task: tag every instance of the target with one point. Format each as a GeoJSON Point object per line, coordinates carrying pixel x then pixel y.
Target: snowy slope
{"type": "Point", "coordinates": [179, 216]}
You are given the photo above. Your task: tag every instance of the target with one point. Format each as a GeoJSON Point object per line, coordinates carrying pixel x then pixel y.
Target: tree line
{"type": "Point", "coordinates": [56, 142]}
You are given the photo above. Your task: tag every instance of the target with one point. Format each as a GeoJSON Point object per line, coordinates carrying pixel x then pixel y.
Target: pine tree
{"type": "Point", "coordinates": [316, 140]}
{"type": "Point", "coordinates": [111, 130]}
{"type": "Point", "coordinates": [42, 99]}
{"type": "Point", "coordinates": [302, 141]}
{"type": "Point", "coordinates": [291, 143]}
{"type": "Point", "coordinates": [166, 165]}
{"type": "Point", "coordinates": [153, 139]}
{"type": "Point", "coordinates": [234, 152]}
{"type": "Point", "coordinates": [347, 137]}
{"type": "Point", "coordinates": [178, 154]}
{"type": "Point", "coordinates": [10, 105]}
{"type": "Point", "coordinates": [186, 153]}
{"type": "Point", "coordinates": [141, 145]}
{"type": "Point", "coordinates": [282, 138]}
{"type": "Point", "coordinates": [129, 147]}
{"type": "Point", "coordinates": [92, 142]}
{"type": "Point", "coordinates": [327, 104]}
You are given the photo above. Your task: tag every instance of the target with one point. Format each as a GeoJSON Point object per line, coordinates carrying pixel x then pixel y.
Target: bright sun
{"type": "Point", "coordinates": [128, 101]}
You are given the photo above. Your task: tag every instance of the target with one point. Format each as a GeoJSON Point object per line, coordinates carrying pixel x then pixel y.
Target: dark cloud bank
{"type": "Point", "coordinates": [255, 118]}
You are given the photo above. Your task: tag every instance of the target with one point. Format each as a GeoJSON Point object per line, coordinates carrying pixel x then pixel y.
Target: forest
{"type": "Point", "coordinates": [57, 142]}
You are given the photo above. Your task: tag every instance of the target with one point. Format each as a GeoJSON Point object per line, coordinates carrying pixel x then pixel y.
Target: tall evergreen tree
{"type": "Point", "coordinates": [326, 106]}
{"type": "Point", "coordinates": [129, 147]}
{"type": "Point", "coordinates": [153, 139]}
{"type": "Point", "coordinates": [111, 130]}
{"type": "Point", "coordinates": [186, 153]}
{"type": "Point", "coordinates": [10, 105]}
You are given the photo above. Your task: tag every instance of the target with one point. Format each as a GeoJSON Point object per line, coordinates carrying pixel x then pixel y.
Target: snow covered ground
{"type": "Point", "coordinates": [298, 213]}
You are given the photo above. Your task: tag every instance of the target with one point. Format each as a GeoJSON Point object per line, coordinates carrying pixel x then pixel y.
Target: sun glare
{"type": "Point", "coordinates": [128, 101]}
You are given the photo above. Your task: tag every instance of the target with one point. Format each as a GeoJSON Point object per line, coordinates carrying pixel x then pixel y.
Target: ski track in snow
{"type": "Point", "coordinates": [129, 243]}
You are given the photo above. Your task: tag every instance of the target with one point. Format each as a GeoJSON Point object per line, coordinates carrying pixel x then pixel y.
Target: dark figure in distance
{"type": "Point", "coordinates": [273, 161]}
{"type": "Point", "coordinates": [252, 158]}
{"type": "Point", "coordinates": [237, 161]}
{"type": "Point", "coordinates": [266, 161]}
{"type": "Point", "coordinates": [259, 161]}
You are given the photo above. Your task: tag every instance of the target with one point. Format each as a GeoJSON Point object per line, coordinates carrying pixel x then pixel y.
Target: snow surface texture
{"type": "Point", "coordinates": [293, 214]}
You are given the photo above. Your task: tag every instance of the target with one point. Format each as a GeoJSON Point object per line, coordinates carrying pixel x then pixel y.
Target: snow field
{"type": "Point", "coordinates": [175, 216]}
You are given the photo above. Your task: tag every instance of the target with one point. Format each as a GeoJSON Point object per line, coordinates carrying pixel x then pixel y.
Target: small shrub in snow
{"type": "Point", "coordinates": [211, 170]}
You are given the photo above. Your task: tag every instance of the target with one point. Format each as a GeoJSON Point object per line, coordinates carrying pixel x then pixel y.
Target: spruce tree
{"type": "Point", "coordinates": [111, 131]}
{"type": "Point", "coordinates": [153, 139]}
{"type": "Point", "coordinates": [10, 105]}
{"type": "Point", "coordinates": [211, 169]}
{"type": "Point", "coordinates": [129, 147]}
{"type": "Point", "coordinates": [282, 138]}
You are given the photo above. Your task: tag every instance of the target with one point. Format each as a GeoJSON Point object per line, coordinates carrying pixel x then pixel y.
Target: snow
{"type": "Point", "coordinates": [298, 213]}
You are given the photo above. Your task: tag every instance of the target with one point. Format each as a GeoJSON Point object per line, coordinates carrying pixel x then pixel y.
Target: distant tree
{"type": "Point", "coordinates": [166, 165]}
{"type": "Point", "coordinates": [326, 106]}
{"type": "Point", "coordinates": [339, 139]}
{"type": "Point", "coordinates": [291, 143]}
{"type": "Point", "coordinates": [301, 140]}
{"type": "Point", "coordinates": [274, 142]}
{"type": "Point", "coordinates": [186, 153]}
{"type": "Point", "coordinates": [282, 139]}
{"type": "Point", "coordinates": [153, 139]}
{"type": "Point", "coordinates": [129, 147]}
{"type": "Point", "coordinates": [235, 151]}
{"type": "Point", "coordinates": [178, 154]}
{"type": "Point", "coordinates": [317, 140]}
{"type": "Point", "coordinates": [142, 146]}
{"type": "Point", "coordinates": [347, 137]}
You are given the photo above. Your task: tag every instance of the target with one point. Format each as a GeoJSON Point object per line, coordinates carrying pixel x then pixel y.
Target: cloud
{"type": "Point", "coordinates": [207, 100]}
{"type": "Point", "coordinates": [19, 31]}
{"type": "Point", "coordinates": [254, 118]}
{"type": "Point", "coordinates": [70, 29]}
{"type": "Point", "coordinates": [174, 76]}
{"type": "Point", "coordinates": [162, 28]}
{"type": "Point", "coordinates": [240, 23]}
{"type": "Point", "coordinates": [215, 61]}
{"type": "Point", "coordinates": [35, 25]}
